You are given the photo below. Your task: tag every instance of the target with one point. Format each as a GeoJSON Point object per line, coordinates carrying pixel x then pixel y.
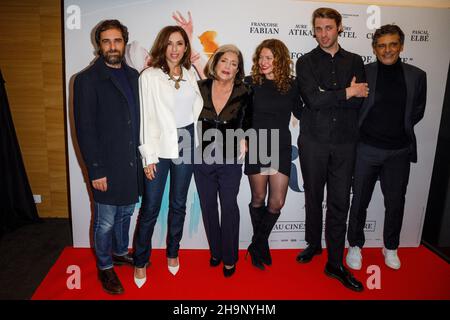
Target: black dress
{"type": "Point", "coordinates": [271, 110]}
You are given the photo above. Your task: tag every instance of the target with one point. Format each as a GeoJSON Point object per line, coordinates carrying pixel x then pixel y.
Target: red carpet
{"type": "Point", "coordinates": [423, 276]}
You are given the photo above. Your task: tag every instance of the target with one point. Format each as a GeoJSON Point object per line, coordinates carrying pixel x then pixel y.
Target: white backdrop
{"type": "Point", "coordinates": [246, 23]}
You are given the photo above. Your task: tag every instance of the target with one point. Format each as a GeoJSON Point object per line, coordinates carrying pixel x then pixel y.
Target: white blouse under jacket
{"type": "Point", "coordinates": [158, 130]}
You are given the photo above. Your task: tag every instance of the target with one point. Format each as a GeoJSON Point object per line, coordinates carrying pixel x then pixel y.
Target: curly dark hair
{"type": "Point", "coordinates": [158, 51]}
{"type": "Point", "coordinates": [282, 64]}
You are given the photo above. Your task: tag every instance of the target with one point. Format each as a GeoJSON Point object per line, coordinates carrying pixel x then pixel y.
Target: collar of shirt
{"type": "Point", "coordinates": [341, 52]}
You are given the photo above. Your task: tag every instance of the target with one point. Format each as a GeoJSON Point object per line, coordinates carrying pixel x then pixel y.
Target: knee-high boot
{"type": "Point", "coordinates": [256, 216]}
{"type": "Point", "coordinates": [262, 239]}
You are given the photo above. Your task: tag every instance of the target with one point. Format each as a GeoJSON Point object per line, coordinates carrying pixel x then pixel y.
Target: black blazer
{"type": "Point", "coordinates": [416, 97]}
{"type": "Point", "coordinates": [105, 135]}
{"type": "Point", "coordinates": [234, 115]}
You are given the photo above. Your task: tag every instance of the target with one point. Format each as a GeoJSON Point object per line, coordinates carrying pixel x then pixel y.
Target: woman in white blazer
{"type": "Point", "coordinates": [170, 106]}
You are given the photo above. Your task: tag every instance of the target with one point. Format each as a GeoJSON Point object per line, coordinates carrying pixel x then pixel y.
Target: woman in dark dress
{"type": "Point", "coordinates": [275, 97]}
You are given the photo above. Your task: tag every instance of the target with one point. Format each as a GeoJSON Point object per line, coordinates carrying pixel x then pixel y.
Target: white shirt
{"type": "Point", "coordinates": [184, 100]}
{"type": "Point", "coordinates": [158, 126]}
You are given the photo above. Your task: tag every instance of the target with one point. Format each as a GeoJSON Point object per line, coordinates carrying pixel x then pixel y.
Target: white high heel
{"type": "Point", "coordinates": [140, 281]}
{"type": "Point", "coordinates": [174, 270]}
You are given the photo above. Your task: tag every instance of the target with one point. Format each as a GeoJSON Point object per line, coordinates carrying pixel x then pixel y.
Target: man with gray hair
{"type": "Point", "coordinates": [387, 143]}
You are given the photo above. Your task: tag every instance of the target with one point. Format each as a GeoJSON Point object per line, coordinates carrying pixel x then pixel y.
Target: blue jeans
{"type": "Point", "coordinates": [180, 179]}
{"type": "Point", "coordinates": [111, 227]}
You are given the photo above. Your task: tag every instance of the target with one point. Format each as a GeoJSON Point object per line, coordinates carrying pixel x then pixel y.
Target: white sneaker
{"type": "Point", "coordinates": [354, 258]}
{"type": "Point", "coordinates": [391, 258]}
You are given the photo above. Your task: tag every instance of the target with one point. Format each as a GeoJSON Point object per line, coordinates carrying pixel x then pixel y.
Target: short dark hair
{"type": "Point", "coordinates": [388, 29]}
{"type": "Point", "coordinates": [327, 13]}
{"type": "Point", "coordinates": [108, 25]}
{"type": "Point", "coordinates": [210, 68]}
{"type": "Point", "coordinates": [158, 51]}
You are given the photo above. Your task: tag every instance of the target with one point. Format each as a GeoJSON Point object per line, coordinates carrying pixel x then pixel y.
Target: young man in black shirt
{"type": "Point", "coordinates": [387, 142]}
{"type": "Point", "coordinates": [331, 83]}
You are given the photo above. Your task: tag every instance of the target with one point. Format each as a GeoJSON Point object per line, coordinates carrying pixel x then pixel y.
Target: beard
{"type": "Point", "coordinates": [113, 57]}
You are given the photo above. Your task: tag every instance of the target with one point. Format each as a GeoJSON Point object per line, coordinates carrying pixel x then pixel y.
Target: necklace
{"type": "Point", "coordinates": [177, 81]}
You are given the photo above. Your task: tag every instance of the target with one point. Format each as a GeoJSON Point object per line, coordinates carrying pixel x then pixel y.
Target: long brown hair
{"type": "Point", "coordinates": [159, 48]}
{"type": "Point", "coordinates": [282, 64]}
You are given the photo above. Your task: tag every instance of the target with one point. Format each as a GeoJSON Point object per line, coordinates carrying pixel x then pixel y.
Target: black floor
{"type": "Point", "coordinates": [28, 253]}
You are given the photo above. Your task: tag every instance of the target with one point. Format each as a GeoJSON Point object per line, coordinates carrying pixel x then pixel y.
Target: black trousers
{"type": "Point", "coordinates": [222, 231]}
{"type": "Point", "coordinates": [392, 167]}
{"type": "Point", "coordinates": [330, 165]}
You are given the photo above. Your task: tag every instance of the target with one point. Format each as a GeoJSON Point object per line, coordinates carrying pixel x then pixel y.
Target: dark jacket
{"type": "Point", "coordinates": [416, 97]}
{"type": "Point", "coordinates": [234, 115]}
{"type": "Point", "coordinates": [105, 135]}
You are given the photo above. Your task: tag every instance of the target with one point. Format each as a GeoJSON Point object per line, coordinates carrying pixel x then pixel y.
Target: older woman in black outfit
{"type": "Point", "coordinates": [275, 97]}
{"type": "Point", "coordinates": [219, 174]}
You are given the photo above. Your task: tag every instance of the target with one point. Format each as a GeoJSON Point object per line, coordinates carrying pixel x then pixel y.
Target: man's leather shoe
{"type": "Point", "coordinates": [344, 276]}
{"type": "Point", "coordinates": [214, 262]}
{"type": "Point", "coordinates": [110, 282]}
{"type": "Point", "coordinates": [306, 255]}
{"type": "Point", "coordinates": [121, 260]}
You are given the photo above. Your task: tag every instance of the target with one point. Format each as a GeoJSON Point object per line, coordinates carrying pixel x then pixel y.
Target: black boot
{"type": "Point", "coordinates": [255, 255]}
{"type": "Point", "coordinates": [262, 239]}
{"type": "Point", "coordinates": [110, 282]}
{"type": "Point", "coordinates": [256, 215]}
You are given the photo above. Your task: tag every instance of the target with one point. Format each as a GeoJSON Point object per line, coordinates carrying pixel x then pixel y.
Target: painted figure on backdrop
{"type": "Point", "coordinates": [139, 58]}
{"type": "Point", "coordinates": [332, 84]}
{"type": "Point", "coordinates": [188, 26]}
{"type": "Point", "coordinates": [275, 97]}
{"type": "Point", "coordinates": [219, 174]}
{"type": "Point", "coordinates": [170, 105]}
{"type": "Point", "coordinates": [106, 112]}
{"type": "Point", "coordinates": [387, 143]}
